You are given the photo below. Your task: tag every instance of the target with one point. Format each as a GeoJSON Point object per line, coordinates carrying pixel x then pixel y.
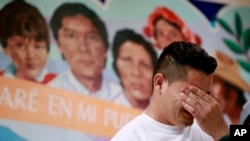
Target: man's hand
{"type": "Point", "coordinates": [205, 110]}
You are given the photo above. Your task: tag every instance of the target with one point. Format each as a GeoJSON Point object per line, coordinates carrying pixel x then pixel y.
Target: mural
{"type": "Point", "coordinates": [80, 70]}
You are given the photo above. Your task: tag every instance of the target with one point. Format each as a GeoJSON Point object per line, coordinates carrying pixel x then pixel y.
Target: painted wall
{"type": "Point", "coordinates": [221, 25]}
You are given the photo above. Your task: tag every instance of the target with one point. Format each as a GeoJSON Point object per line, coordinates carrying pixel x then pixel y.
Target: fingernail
{"type": "Point", "coordinates": [184, 89]}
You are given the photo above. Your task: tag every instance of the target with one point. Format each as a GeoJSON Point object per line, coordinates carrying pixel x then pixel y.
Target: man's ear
{"type": "Point", "coordinates": [158, 82]}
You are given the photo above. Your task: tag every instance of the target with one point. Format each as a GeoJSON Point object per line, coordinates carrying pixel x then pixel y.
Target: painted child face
{"type": "Point", "coordinates": [28, 55]}
{"type": "Point", "coordinates": [165, 33]}
{"type": "Point", "coordinates": [135, 70]}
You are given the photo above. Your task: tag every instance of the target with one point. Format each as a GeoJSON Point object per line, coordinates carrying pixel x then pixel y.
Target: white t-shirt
{"type": "Point", "coordinates": [145, 128]}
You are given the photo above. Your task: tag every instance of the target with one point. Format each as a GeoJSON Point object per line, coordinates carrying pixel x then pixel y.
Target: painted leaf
{"type": "Point", "coordinates": [224, 25]}
{"type": "Point", "coordinates": [246, 39]}
{"type": "Point", "coordinates": [244, 64]}
{"type": "Point", "coordinates": [238, 24]}
{"type": "Point", "coordinates": [233, 46]}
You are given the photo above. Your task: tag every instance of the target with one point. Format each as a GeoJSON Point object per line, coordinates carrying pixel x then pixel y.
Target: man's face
{"type": "Point", "coordinates": [29, 56]}
{"type": "Point", "coordinates": [135, 69]}
{"type": "Point", "coordinates": [173, 113]}
{"type": "Point", "coordinates": [81, 45]}
{"type": "Point", "coordinates": [166, 33]}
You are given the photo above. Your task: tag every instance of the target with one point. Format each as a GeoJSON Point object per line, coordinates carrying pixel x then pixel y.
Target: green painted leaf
{"type": "Point", "coordinates": [238, 24]}
{"type": "Point", "coordinates": [244, 64]}
{"type": "Point", "coordinates": [224, 25]}
{"type": "Point", "coordinates": [233, 46]}
{"type": "Point", "coordinates": [246, 39]}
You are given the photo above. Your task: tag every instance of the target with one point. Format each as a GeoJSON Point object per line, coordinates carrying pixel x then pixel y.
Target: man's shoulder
{"type": "Point", "coordinates": [132, 131]}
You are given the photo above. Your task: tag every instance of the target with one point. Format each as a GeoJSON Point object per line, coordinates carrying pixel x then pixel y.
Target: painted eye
{"type": "Point", "coordinates": [20, 46]}
{"type": "Point", "coordinates": [70, 35]}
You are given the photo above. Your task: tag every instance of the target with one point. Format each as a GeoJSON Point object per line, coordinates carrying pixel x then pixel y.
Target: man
{"type": "Point", "coordinates": [181, 107]}
{"type": "Point", "coordinates": [83, 41]}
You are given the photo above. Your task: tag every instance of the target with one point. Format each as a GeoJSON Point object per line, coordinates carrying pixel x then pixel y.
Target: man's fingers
{"type": "Point", "coordinates": [202, 94]}
{"type": "Point", "coordinates": [192, 100]}
{"type": "Point", "coordinates": [190, 109]}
